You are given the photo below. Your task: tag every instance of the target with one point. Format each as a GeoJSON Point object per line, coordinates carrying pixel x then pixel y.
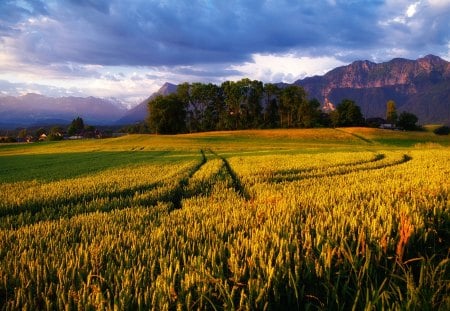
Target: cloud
{"type": "Point", "coordinates": [18, 89]}
{"type": "Point", "coordinates": [172, 32]}
{"type": "Point", "coordinates": [416, 29]}
{"type": "Point", "coordinates": [285, 68]}
{"type": "Point", "coordinates": [189, 33]}
{"type": "Point", "coordinates": [206, 72]}
{"type": "Point", "coordinates": [128, 49]}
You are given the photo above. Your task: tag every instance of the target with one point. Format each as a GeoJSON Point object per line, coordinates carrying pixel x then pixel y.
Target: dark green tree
{"type": "Point", "coordinates": [292, 98]}
{"type": "Point", "coordinates": [204, 104]}
{"type": "Point", "coordinates": [347, 113]}
{"type": "Point", "coordinates": [184, 93]}
{"type": "Point", "coordinates": [215, 107]}
{"type": "Point", "coordinates": [334, 118]}
{"type": "Point", "coordinates": [271, 99]}
{"type": "Point", "coordinates": [309, 113]}
{"type": "Point", "coordinates": [324, 120]}
{"type": "Point", "coordinates": [250, 105]}
{"type": "Point", "coordinates": [138, 128]}
{"type": "Point", "coordinates": [232, 98]}
{"type": "Point", "coordinates": [76, 127]}
{"type": "Point", "coordinates": [167, 115]}
{"type": "Point", "coordinates": [407, 121]}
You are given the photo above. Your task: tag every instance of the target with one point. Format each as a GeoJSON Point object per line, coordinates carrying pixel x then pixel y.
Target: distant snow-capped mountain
{"type": "Point", "coordinates": [32, 109]}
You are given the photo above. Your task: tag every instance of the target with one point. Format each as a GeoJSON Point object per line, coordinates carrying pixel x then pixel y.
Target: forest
{"type": "Point", "coordinates": [244, 104]}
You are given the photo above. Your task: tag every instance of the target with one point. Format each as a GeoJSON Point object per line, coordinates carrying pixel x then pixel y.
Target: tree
{"type": "Point", "coordinates": [250, 102]}
{"type": "Point", "coordinates": [89, 131]}
{"type": "Point", "coordinates": [76, 127]}
{"type": "Point", "coordinates": [271, 115]}
{"type": "Point", "coordinates": [291, 99]}
{"type": "Point", "coordinates": [407, 121]}
{"type": "Point", "coordinates": [22, 133]}
{"type": "Point", "coordinates": [167, 115]}
{"type": "Point", "coordinates": [204, 105]}
{"type": "Point", "coordinates": [347, 113]}
{"type": "Point", "coordinates": [56, 133]}
{"type": "Point", "coordinates": [391, 112]}
{"type": "Point", "coordinates": [137, 128]}
{"type": "Point", "coordinates": [215, 107]}
{"type": "Point", "coordinates": [309, 113]}
{"type": "Point", "coordinates": [232, 98]}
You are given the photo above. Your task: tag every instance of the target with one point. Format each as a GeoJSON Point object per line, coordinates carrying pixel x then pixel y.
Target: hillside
{"type": "Point", "coordinates": [419, 86]}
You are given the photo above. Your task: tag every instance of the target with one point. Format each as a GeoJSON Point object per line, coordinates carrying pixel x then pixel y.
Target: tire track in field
{"type": "Point", "coordinates": [286, 174]}
{"type": "Point", "coordinates": [236, 182]}
{"type": "Point", "coordinates": [351, 168]}
{"type": "Point", "coordinates": [180, 192]}
{"type": "Point", "coordinates": [189, 188]}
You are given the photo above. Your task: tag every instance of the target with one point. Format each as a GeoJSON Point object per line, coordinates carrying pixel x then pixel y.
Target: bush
{"type": "Point", "coordinates": [442, 130]}
{"type": "Point", "coordinates": [55, 137]}
{"type": "Point", "coordinates": [7, 139]}
{"type": "Point", "coordinates": [407, 121]}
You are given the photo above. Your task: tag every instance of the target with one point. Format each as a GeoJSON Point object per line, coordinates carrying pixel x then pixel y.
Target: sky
{"type": "Point", "coordinates": [127, 49]}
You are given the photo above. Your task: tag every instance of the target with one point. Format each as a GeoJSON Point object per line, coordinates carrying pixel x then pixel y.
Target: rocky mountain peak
{"type": "Point", "coordinates": [415, 86]}
{"type": "Point", "coordinates": [434, 63]}
{"type": "Point", "coordinates": [167, 88]}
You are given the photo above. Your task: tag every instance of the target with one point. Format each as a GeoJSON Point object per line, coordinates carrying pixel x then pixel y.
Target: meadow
{"type": "Point", "coordinates": [321, 219]}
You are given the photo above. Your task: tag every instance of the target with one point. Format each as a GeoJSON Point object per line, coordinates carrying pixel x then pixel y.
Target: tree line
{"type": "Point", "coordinates": [244, 104]}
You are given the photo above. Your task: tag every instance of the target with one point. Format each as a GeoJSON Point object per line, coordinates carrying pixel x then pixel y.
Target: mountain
{"type": "Point", "coordinates": [139, 113]}
{"type": "Point", "coordinates": [34, 109]}
{"type": "Point", "coordinates": [419, 86]}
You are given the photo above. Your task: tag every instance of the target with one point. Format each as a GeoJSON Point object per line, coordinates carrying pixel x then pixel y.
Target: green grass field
{"type": "Point", "coordinates": [335, 219]}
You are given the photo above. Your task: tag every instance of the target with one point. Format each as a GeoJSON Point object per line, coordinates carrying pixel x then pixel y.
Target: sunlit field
{"type": "Point", "coordinates": [334, 219]}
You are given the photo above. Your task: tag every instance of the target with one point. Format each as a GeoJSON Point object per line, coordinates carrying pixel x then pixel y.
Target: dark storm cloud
{"type": "Point", "coordinates": [173, 32]}
{"type": "Point", "coordinates": [11, 14]}
{"type": "Point", "coordinates": [184, 32]}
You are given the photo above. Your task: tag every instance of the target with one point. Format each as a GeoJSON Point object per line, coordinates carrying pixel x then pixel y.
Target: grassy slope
{"type": "Point", "coordinates": [236, 140]}
{"type": "Point", "coordinates": [58, 160]}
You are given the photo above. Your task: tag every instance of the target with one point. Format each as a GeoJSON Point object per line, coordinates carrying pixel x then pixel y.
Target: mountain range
{"type": "Point", "coordinates": [419, 86]}
{"type": "Point", "coordinates": [34, 109]}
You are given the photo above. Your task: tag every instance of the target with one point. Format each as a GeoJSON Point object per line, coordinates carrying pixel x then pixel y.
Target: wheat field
{"type": "Point", "coordinates": [254, 220]}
